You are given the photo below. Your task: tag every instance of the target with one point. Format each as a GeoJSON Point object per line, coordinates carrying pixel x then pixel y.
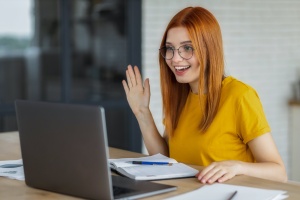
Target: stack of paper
{"type": "Point", "coordinates": [220, 191]}
{"type": "Point", "coordinates": [12, 169]}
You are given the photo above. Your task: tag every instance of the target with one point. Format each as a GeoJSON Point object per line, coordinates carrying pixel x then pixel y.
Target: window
{"type": "Point", "coordinates": [72, 51]}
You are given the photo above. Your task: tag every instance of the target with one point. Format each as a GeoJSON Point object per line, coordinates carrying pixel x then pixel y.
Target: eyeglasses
{"type": "Point", "coordinates": [184, 51]}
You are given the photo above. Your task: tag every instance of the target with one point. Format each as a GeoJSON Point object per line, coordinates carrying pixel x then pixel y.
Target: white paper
{"type": "Point", "coordinates": [220, 191]}
{"type": "Point", "coordinates": [14, 172]}
{"type": "Point", "coordinates": [124, 162]}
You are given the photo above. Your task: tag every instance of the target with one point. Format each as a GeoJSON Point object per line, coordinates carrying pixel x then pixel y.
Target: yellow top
{"type": "Point", "coordinates": [240, 118]}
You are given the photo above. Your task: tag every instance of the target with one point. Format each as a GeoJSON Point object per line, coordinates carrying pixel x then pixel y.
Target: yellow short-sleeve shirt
{"type": "Point", "coordinates": [240, 118]}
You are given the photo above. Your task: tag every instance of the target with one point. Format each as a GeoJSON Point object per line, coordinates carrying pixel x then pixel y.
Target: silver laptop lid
{"type": "Point", "coordinates": [59, 144]}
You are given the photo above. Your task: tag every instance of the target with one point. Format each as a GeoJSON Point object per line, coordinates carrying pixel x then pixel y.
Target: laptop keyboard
{"type": "Point", "coordinates": [120, 190]}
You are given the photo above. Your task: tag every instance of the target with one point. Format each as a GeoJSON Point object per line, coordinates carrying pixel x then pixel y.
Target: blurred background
{"type": "Point", "coordinates": [76, 51]}
{"type": "Point", "coordinates": [71, 51]}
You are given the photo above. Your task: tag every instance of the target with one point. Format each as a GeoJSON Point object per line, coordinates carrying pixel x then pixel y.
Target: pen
{"type": "Point", "coordinates": [232, 196]}
{"type": "Point", "coordinates": [150, 163]}
{"type": "Point", "coordinates": [10, 165]}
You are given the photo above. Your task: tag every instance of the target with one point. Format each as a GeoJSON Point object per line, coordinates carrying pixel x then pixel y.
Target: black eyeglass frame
{"type": "Point", "coordinates": [164, 47]}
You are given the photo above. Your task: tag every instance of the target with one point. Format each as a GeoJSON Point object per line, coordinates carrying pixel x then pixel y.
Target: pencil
{"type": "Point", "coordinates": [232, 196]}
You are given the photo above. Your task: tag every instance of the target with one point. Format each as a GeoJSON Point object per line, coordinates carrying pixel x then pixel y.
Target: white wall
{"type": "Point", "coordinates": [262, 48]}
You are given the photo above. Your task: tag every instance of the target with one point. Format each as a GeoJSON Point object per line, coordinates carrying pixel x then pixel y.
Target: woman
{"type": "Point", "coordinates": [210, 120]}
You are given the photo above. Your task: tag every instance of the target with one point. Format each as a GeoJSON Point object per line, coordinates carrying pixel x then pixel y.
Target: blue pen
{"type": "Point", "coordinates": [150, 163]}
{"type": "Point", "coordinates": [11, 165]}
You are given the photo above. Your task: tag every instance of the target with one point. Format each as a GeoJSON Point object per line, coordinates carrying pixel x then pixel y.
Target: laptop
{"type": "Point", "coordinates": [64, 149]}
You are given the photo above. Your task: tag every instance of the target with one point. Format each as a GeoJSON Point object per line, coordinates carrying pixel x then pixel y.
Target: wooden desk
{"type": "Point", "coordinates": [14, 189]}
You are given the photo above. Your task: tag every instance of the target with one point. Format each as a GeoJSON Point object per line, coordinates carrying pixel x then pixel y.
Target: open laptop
{"type": "Point", "coordinates": [65, 150]}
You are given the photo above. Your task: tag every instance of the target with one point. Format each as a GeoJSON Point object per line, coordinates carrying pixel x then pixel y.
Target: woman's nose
{"type": "Point", "coordinates": [176, 56]}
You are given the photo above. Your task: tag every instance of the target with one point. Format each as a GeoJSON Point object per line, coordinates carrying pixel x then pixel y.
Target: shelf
{"type": "Point", "coordinates": [294, 103]}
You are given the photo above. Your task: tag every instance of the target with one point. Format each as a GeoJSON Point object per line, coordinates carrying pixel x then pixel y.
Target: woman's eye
{"type": "Point", "coordinates": [169, 48]}
{"type": "Point", "coordinates": [188, 48]}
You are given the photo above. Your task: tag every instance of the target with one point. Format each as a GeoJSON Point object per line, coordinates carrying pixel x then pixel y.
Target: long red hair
{"type": "Point", "coordinates": [205, 34]}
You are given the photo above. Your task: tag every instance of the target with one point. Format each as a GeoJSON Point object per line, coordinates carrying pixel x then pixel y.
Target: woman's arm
{"type": "Point", "coordinates": [269, 164]}
{"type": "Point", "coordinates": [138, 97]}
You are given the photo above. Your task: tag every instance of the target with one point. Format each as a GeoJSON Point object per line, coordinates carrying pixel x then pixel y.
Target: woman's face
{"type": "Point", "coordinates": [185, 71]}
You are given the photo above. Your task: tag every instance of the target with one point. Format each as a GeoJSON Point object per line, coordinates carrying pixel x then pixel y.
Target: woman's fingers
{"type": "Point", "coordinates": [216, 176]}
{"type": "Point", "coordinates": [219, 171]}
{"type": "Point", "coordinates": [138, 77]}
{"type": "Point", "coordinates": [205, 171]}
{"type": "Point", "coordinates": [147, 87]}
{"type": "Point", "coordinates": [208, 173]}
{"type": "Point", "coordinates": [129, 83]}
{"type": "Point", "coordinates": [138, 96]}
{"type": "Point", "coordinates": [225, 177]}
{"type": "Point", "coordinates": [133, 77]}
{"type": "Point", "coordinates": [125, 86]}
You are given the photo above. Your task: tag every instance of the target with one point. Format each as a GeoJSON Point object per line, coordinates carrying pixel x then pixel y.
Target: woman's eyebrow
{"type": "Point", "coordinates": [183, 42]}
{"type": "Point", "coordinates": [186, 42]}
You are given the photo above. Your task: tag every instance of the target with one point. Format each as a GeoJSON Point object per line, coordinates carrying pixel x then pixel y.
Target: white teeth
{"type": "Point", "coordinates": [181, 67]}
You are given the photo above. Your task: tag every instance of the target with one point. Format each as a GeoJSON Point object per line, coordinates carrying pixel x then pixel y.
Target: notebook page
{"type": "Point", "coordinates": [124, 162]}
{"type": "Point", "coordinates": [224, 191]}
{"type": "Point", "coordinates": [12, 172]}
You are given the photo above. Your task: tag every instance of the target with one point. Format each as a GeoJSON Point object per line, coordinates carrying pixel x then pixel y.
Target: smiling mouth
{"type": "Point", "coordinates": [182, 68]}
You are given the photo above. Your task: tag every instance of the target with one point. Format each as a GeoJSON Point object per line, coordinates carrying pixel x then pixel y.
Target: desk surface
{"type": "Point", "coordinates": [14, 189]}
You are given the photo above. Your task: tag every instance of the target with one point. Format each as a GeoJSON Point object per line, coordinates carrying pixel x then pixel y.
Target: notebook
{"type": "Point", "coordinates": [153, 167]}
{"type": "Point", "coordinates": [64, 149]}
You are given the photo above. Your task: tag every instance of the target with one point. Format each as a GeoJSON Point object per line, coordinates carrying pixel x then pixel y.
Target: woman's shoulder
{"type": "Point", "coordinates": [231, 86]}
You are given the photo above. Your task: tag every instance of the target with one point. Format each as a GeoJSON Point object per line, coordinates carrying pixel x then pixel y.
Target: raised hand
{"type": "Point", "coordinates": [138, 95]}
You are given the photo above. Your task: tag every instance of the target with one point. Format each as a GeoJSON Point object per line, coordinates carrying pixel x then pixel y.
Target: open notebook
{"type": "Point", "coordinates": [152, 172]}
